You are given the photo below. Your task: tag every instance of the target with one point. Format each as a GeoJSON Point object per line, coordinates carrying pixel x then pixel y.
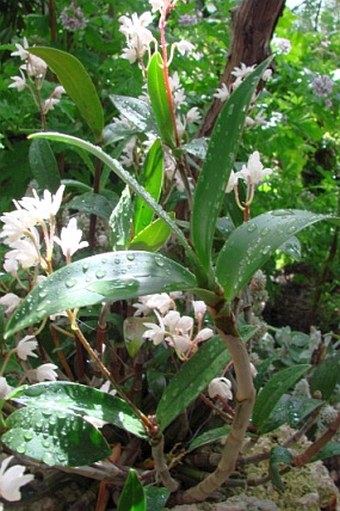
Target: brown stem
{"type": "Point", "coordinates": [53, 20]}
{"type": "Point", "coordinates": [302, 459]}
{"type": "Point", "coordinates": [96, 185]}
{"type": "Point", "coordinates": [245, 398]}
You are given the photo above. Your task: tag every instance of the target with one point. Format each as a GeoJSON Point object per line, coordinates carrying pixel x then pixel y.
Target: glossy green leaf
{"type": "Point", "coordinates": [326, 376]}
{"type": "Point", "coordinates": [82, 400]}
{"type": "Point", "coordinates": [110, 276]}
{"type": "Point", "coordinates": [152, 180]}
{"type": "Point", "coordinates": [219, 162]}
{"type": "Point", "coordinates": [116, 132]}
{"type": "Point", "coordinates": [77, 83]}
{"type": "Point", "coordinates": [54, 437]}
{"type": "Point", "coordinates": [156, 497]}
{"type": "Point", "coordinates": [152, 238]}
{"type": "Point", "coordinates": [44, 165]}
{"type": "Point", "coordinates": [278, 455]}
{"type": "Point", "coordinates": [132, 497]}
{"type": "Point", "coordinates": [250, 246]}
{"type": "Point", "coordinates": [273, 391]}
{"type": "Point", "coordinates": [121, 221]}
{"type": "Point", "coordinates": [93, 203]}
{"type": "Point", "coordinates": [290, 410]}
{"type": "Point", "coordinates": [115, 166]}
{"type": "Point", "coordinates": [136, 111]}
{"type": "Point", "coordinates": [191, 379]}
{"type": "Point", "coordinates": [213, 435]}
{"type": "Point", "coordinates": [159, 99]}
{"type": "Point", "coordinates": [197, 147]}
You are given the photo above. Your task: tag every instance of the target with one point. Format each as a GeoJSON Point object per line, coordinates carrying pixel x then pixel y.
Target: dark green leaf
{"type": "Point", "coordinates": [326, 376]}
{"type": "Point", "coordinates": [156, 497]}
{"type": "Point", "coordinates": [330, 450]}
{"type": "Point", "coordinates": [93, 203]}
{"type": "Point", "coordinates": [55, 437]}
{"type": "Point", "coordinates": [272, 392]}
{"type": "Point", "coordinates": [159, 99]}
{"type": "Point", "coordinates": [290, 410]}
{"type": "Point", "coordinates": [132, 497]}
{"type": "Point", "coordinates": [191, 379]}
{"type": "Point", "coordinates": [250, 246]}
{"type": "Point", "coordinates": [109, 276]}
{"type": "Point", "coordinates": [120, 221]}
{"type": "Point", "coordinates": [152, 180]}
{"type": "Point", "coordinates": [278, 455]}
{"type": "Point", "coordinates": [136, 111]}
{"type": "Point", "coordinates": [81, 400]}
{"type": "Point", "coordinates": [213, 179]}
{"type": "Point", "coordinates": [213, 435]}
{"type": "Point", "coordinates": [77, 83]}
{"type": "Point", "coordinates": [44, 165]}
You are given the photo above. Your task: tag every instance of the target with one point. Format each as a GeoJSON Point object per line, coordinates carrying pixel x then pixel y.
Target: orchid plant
{"type": "Point", "coordinates": [189, 295]}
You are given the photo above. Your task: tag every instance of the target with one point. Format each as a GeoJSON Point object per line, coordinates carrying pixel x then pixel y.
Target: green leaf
{"type": "Point", "coordinates": [115, 166]}
{"type": "Point", "coordinates": [159, 99]}
{"type": "Point", "coordinates": [191, 379]}
{"type": "Point", "coordinates": [156, 497]}
{"type": "Point", "coordinates": [133, 330]}
{"type": "Point", "coordinates": [115, 132]}
{"type": "Point", "coordinates": [152, 238]}
{"type": "Point", "coordinates": [56, 438]}
{"type": "Point", "coordinates": [109, 276]}
{"type": "Point", "coordinates": [326, 376]}
{"type": "Point", "coordinates": [151, 180]}
{"type": "Point", "coordinates": [272, 392]}
{"type": "Point", "coordinates": [330, 450]}
{"type": "Point", "coordinates": [77, 83]}
{"type": "Point", "coordinates": [214, 176]}
{"type": "Point", "coordinates": [290, 410]}
{"type": "Point", "coordinates": [213, 435]}
{"type": "Point", "coordinates": [137, 111]}
{"type": "Point", "coordinates": [60, 397]}
{"type": "Point", "coordinates": [121, 221]}
{"type": "Point", "coordinates": [132, 497]}
{"type": "Point", "coordinates": [44, 165]}
{"type": "Point", "coordinates": [250, 246]}
{"type": "Point", "coordinates": [278, 455]}
{"type": "Point", "coordinates": [93, 203]}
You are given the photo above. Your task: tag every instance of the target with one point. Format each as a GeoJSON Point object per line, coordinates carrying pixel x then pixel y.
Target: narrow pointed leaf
{"type": "Point", "coordinates": [159, 99]}
{"type": "Point", "coordinates": [110, 276]}
{"type": "Point", "coordinates": [77, 83]}
{"type": "Point", "coordinates": [213, 435]}
{"type": "Point", "coordinates": [132, 497]}
{"type": "Point", "coordinates": [191, 379]}
{"type": "Point", "coordinates": [82, 400]}
{"type": "Point", "coordinates": [44, 165]}
{"type": "Point", "coordinates": [219, 162]}
{"type": "Point", "coordinates": [115, 166]}
{"type": "Point", "coordinates": [54, 437]}
{"type": "Point", "coordinates": [250, 246]}
{"type": "Point", "coordinates": [121, 221]}
{"type": "Point", "coordinates": [151, 180]}
{"type": "Point", "coordinates": [272, 392]}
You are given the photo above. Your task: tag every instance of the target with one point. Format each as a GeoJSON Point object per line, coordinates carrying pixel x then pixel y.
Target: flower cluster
{"type": "Point", "coordinates": [20, 232]}
{"type": "Point", "coordinates": [138, 37]}
{"type": "Point", "coordinates": [172, 328]}
{"type": "Point", "coordinates": [72, 18]}
{"type": "Point", "coordinates": [281, 45]}
{"type": "Point", "coordinates": [323, 87]}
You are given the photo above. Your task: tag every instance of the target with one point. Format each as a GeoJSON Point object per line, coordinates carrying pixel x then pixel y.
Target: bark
{"type": "Point", "coordinates": [253, 25]}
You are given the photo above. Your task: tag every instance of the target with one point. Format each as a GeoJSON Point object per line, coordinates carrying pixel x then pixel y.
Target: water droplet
{"type": "Point", "coordinates": [70, 283]}
{"type": "Point", "coordinates": [48, 458]}
{"type": "Point", "coordinates": [117, 260]}
{"type": "Point", "coordinates": [100, 274]}
{"type": "Point", "coordinates": [130, 256]}
{"type": "Point", "coordinates": [291, 229]}
{"type": "Point", "coordinates": [266, 250]}
{"type": "Point", "coordinates": [251, 227]}
{"type": "Point", "coordinates": [85, 267]}
{"type": "Point", "coordinates": [159, 261]}
{"type": "Point", "coordinates": [282, 212]}
{"type": "Point", "coordinates": [42, 293]}
{"type": "Point", "coordinates": [265, 231]}
{"type": "Point", "coordinates": [28, 435]}
{"type": "Point", "coordinates": [21, 449]}
{"type": "Point", "coordinates": [46, 443]}
{"type": "Point", "coordinates": [46, 413]}
{"type": "Point", "coordinates": [40, 307]}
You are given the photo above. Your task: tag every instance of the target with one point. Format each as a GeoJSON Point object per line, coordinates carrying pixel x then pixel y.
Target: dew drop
{"type": "Point", "coordinates": [117, 260]}
{"type": "Point", "coordinates": [70, 283]}
{"type": "Point", "coordinates": [21, 449]}
{"type": "Point", "coordinates": [266, 250]}
{"type": "Point", "coordinates": [130, 256]}
{"type": "Point", "coordinates": [28, 435]}
{"type": "Point", "coordinates": [85, 267]}
{"type": "Point", "coordinates": [251, 227]}
{"type": "Point", "coordinates": [159, 261]}
{"type": "Point", "coordinates": [42, 293]}
{"type": "Point", "coordinates": [100, 274]}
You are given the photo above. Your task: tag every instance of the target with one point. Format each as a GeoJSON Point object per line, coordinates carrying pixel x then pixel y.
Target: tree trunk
{"type": "Point", "coordinates": [253, 24]}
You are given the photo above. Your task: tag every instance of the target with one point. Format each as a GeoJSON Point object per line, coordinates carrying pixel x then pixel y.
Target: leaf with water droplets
{"type": "Point", "coordinates": [220, 159]}
{"type": "Point", "coordinates": [66, 440]}
{"type": "Point", "coordinates": [111, 276]}
{"type": "Point", "coordinates": [250, 246]}
{"type": "Point", "coordinates": [191, 379]}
